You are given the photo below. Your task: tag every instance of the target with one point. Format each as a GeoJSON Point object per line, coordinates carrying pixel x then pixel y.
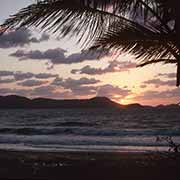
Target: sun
{"type": "Point", "coordinates": [126, 100]}
{"type": "Point", "coordinates": [119, 100]}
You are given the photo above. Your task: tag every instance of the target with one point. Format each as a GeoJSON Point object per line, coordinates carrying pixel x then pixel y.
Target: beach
{"type": "Point", "coordinates": [89, 144]}
{"type": "Point", "coordinates": [89, 165]}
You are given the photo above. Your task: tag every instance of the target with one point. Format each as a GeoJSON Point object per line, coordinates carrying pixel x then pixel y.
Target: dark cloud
{"type": "Point", "coordinates": [151, 95]}
{"type": "Point", "coordinates": [83, 87]}
{"type": "Point", "coordinates": [31, 83]}
{"type": "Point", "coordinates": [9, 91]}
{"type": "Point", "coordinates": [83, 90]}
{"type": "Point", "coordinates": [44, 91]}
{"type": "Point", "coordinates": [114, 66]}
{"type": "Point", "coordinates": [6, 81]}
{"type": "Point", "coordinates": [80, 90]}
{"type": "Point", "coordinates": [6, 73]}
{"type": "Point", "coordinates": [64, 88]}
{"type": "Point", "coordinates": [72, 83]}
{"type": "Point", "coordinates": [51, 92]}
{"type": "Point", "coordinates": [44, 37]}
{"type": "Point", "coordinates": [143, 86]}
{"type": "Point", "coordinates": [20, 76]}
{"type": "Point", "coordinates": [79, 87]}
{"type": "Point", "coordinates": [57, 56]}
{"type": "Point", "coordinates": [45, 75]}
{"type": "Point", "coordinates": [85, 55]}
{"type": "Point", "coordinates": [167, 75]}
{"type": "Point", "coordinates": [148, 95]}
{"type": "Point", "coordinates": [20, 38]}
{"type": "Point", "coordinates": [158, 82]}
{"type": "Point", "coordinates": [110, 91]}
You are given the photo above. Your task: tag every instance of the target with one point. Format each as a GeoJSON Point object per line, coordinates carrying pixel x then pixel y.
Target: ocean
{"type": "Point", "coordinates": [89, 129]}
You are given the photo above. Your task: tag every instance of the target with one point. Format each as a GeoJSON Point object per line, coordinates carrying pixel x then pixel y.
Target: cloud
{"type": "Point", "coordinates": [143, 86]}
{"type": "Point", "coordinates": [31, 83]}
{"type": "Point", "coordinates": [72, 83]}
{"type": "Point", "coordinates": [151, 95]}
{"type": "Point", "coordinates": [83, 90]}
{"type": "Point", "coordinates": [167, 75]}
{"type": "Point", "coordinates": [44, 37]}
{"type": "Point", "coordinates": [158, 82]}
{"type": "Point", "coordinates": [110, 91]}
{"type": "Point", "coordinates": [79, 87]}
{"type": "Point", "coordinates": [6, 81]}
{"type": "Point", "coordinates": [20, 38]}
{"type": "Point", "coordinates": [9, 91]}
{"type": "Point", "coordinates": [72, 90]}
{"type": "Point", "coordinates": [44, 91]}
{"type": "Point", "coordinates": [114, 66]}
{"type": "Point", "coordinates": [64, 88]}
{"type": "Point", "coordinates": [83, 87]}
{"type": "Point", "coordinates": [45, 75]}
{"type": "Point", "coordinates": [19, 76]}
{"type": "Point", "coordinates": [6, 73]}
{"type": "Point", "coordinates": [51, 92]}
{"type": "Point", "coordinates": [58, 56]}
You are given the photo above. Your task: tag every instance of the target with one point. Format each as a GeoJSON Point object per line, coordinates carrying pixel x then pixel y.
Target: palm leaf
{"type": "Point", "coordinates": [65, 17]}
{"type": "Point", "coordinates": [165, 61]}
{"type": "Point", "coordinates": [77, 16]}
{"type": "Point", "coordinates": [137, 40]}
{"type": "Point", "coordinates": [148, 29]}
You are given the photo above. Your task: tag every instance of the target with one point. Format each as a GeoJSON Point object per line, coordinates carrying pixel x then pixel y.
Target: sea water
{"type": "Point", "coordinates": [89, 129]}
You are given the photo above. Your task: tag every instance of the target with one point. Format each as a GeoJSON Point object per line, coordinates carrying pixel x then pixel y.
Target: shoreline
{"type": "Point", "coordinates": [89, 165]}
{"type": "Point", "coordinates": [85, 148]}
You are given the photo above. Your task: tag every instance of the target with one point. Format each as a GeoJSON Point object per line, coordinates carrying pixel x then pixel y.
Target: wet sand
{"type": "Point", "coordinates": [89, 165]}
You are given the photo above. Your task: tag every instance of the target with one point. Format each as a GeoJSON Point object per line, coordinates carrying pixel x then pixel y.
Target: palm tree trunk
{"type": "Point", "coordinates": [178, 73]}
{"type": "Point", "coordinates": [177, 29]}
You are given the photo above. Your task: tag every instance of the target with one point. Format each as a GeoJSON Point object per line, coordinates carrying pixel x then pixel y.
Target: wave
{"type": "Point", "coordinates": [59, 124]}
{"type": "Point", "coordinates": [54, 141]}
{"type": "Point", "coordinates": [71, 123]}
{"type": "Point", "coordinates": [90, 131]}
{"type": "Point", "coordinates": [82, 148]}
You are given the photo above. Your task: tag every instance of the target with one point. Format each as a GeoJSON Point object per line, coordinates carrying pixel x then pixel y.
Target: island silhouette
{"type": "Point", "coordinates": [20, 102]}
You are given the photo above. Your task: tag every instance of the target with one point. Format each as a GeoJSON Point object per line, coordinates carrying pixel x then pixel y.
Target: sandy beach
{"type": "Point", "coordinates": [89, 165]}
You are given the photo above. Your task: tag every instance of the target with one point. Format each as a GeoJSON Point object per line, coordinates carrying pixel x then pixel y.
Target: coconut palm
{"type": "Point", "coordinates": [148, 29]}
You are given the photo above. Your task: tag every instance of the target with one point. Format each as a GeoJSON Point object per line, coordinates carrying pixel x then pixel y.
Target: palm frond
{"type": "Point", "coordinates": [87, 18]}
{"type": "Point", "coordinates": [62, 16]}
{"type": "Point", "coordinates": [165, 61]}
{"type": "Point", "coordinates": [149, 29]}
{"type": "Point", "coordinates": [140, 41]}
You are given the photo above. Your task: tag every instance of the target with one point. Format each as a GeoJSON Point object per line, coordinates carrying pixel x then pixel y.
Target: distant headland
{"type": "Point", "coordinates": [20, 102]}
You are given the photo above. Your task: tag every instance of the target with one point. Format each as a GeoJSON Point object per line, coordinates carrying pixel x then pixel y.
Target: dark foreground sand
{"type": "Point", "coordinates": [89, 166]}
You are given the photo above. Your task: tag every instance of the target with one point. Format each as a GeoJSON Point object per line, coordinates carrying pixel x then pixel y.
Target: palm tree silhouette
{"type": "Point", "coordinates": [148, 29]}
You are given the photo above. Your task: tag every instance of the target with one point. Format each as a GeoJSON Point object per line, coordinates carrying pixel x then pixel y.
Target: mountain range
{"type": "Point", "coordinates": [19, 102]}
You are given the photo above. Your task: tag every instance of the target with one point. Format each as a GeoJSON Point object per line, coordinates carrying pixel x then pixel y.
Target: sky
{"type": "Point", "coordinates": [37, 64]}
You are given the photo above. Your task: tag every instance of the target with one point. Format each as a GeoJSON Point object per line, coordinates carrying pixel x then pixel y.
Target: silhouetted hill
{"type": "Point", "coordinates": [134, 106]}
{"type": "Point", "coordinates": [169, 106]}
{"type": "Point", "coordinates": [14, 101]}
